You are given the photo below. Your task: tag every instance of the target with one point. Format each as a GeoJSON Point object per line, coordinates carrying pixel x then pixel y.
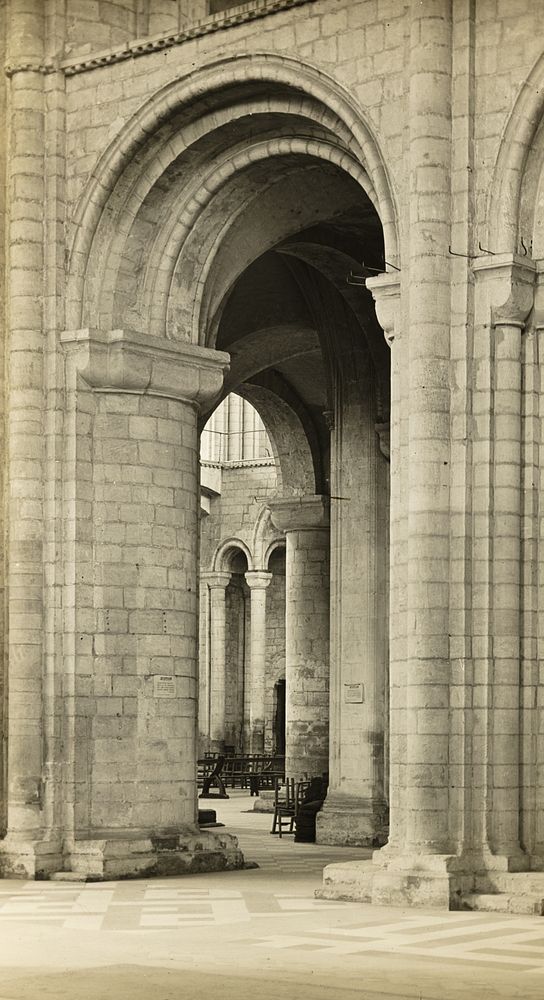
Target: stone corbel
{"type": "Point", "coordinates": [127, 361]}
{"type": "Point", "coordinates": [385, 289]}
{"type": "Point", "coordinates": [258, 579]}
{"type": "Point", "coordinates": [216, 579]}
{"type": "Point", "coordinates": [505, 286]}
{"type": "Point", "coordinates": [300, 513]}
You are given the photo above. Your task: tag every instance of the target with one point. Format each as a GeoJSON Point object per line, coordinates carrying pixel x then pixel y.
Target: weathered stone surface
{"type": "Point", "coordinates": [172, 195]}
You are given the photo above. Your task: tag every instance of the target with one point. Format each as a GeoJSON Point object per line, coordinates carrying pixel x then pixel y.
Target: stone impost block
{"type": "Point", "coordinates": [127, 361]}
{"type": "Point", "coordinates": [506, 286]}
{"type": "Point", "coordinates": [300, 513]}
{"type": "Point", "coordinates": [217, 579]}
{"type": "Point", "coordinates": [258, 579]}
{"type": "Point", "coordinates": [385, 290]}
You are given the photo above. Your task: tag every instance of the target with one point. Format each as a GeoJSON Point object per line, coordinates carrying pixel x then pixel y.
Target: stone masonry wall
{"type": "Point", "coordinates": [3, 243]}
{"type": "Point", "coordinates": [133, 618]}
{"type": "Point", "coordinates": [275, 642]}
{"type": "Point", "coordinates": [236, 641]}
{"type": "Point", "coordinates": [92, 25]}
{"type": "Point", "coordinates": [361, 44]}
{"type": "Point", "coordinates": [233, 514]}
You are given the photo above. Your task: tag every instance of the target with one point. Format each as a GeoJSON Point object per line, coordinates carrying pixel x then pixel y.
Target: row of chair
{"type": "Point", "coordinates": [253, 771]}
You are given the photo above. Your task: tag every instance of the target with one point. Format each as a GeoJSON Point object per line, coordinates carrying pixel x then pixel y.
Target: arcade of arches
{"type": "Point", "coordinates": [313, 231]}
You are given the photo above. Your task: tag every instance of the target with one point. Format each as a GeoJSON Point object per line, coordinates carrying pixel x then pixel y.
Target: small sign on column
{"type": "Point", "coordinates": [354, 694]}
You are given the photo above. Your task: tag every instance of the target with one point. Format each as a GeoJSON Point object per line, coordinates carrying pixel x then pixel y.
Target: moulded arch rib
{"type": "Point", "coordinates": [516, 143]}
{"type": "Point", "coordinates": [301, 79]}
{"type": "Point", "coordinates": [225, 550]}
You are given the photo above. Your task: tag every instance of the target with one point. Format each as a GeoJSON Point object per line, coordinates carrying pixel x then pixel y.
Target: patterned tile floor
{"type": "Point", "coordinates": [212, 936]}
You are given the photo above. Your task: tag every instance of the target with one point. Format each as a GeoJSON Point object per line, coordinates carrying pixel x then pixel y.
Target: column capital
{"type": "Point", "coordinates": [216, 579]}
{"type": "Point", "coordinates": [507, 283]}
{"type": "Point", "coordinates": [128, 361]}
{"type": "Point", "coordinates": [308, 513]}
{"type": "Point", "coordinates": [258, 579]}
{"type": "Point", "coordinates": [385, 289]}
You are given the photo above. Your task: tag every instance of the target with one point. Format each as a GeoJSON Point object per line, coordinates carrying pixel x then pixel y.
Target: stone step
{"type": "Point", "coordinates": [512, 883]}
{"type": "Point", "coordinates": [70, 877]}
{"type": "Point", "coordinates": [502, 902]}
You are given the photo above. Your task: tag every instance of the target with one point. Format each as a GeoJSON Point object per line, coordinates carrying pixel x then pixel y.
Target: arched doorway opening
{"type": "Point", "coordinates": [237, 205]}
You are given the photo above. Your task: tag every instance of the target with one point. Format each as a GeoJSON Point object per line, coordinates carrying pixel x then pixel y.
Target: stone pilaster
{"type": "Point", "coordinates": [421, 837]}
{"type": "Point", "coordinates": [503, 298]}
{"type": "Point", "coordinates": [129, 658]}
{"type": "Point", "coordinates": [216, 689]}
{"type": "Point", "coordinates": [258, 581]}
{"type": "Point", "coordinates": [534, 704]}
{"type": "Point", "coordinates": [305, 521]}
{"type": "Point", "coordinates": [355, 811]}
{"type": "Point", "coordinates": [32, 842]}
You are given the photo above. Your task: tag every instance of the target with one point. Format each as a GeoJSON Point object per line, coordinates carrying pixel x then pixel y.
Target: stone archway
{"type": "Point", "coordinates": [134, 382]}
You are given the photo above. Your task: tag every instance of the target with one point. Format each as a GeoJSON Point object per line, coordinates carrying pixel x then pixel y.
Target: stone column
{"type": "Point", "coordinates": [420, 819]}
{"type": "Point", "coordinates": [355, 811]}
{"type": "Point", "coordinates": [305, 521]}
{"type": "Point", "coordinates": [216, 690]}
{"type": "Point", "coordinates": [504, 298]}
{"type": "Point", "coordinates": [131, 618]}
{"type": "Point", "coordinates": [257, 581]}
{"type": "Point", "coordinates": [427, 817]}
{"type": "Point", "coordinates": [534, 682]}
{"type": "Point", "coordinates": [31, 846]}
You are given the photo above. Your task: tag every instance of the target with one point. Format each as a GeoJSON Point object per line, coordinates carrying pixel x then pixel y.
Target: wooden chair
{"type": "Point", "coordinates": [214, 778]}
{"type": "Point", "coordinates": [286, 804]}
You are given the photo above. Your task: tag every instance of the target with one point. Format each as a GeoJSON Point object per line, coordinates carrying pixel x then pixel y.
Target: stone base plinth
{"type": "Point", "coordinates": [29, 859]}
{"type": "Point", "coordinates": [363, 882]}
{"type": "Point", "coordinates": [352, 823]}
{"type": "Point", "coordinates": [431, 884]}
{"type": "Point", "coordinates": [186, 853]}
{"type": "Point", "coordinates": [95, 860]}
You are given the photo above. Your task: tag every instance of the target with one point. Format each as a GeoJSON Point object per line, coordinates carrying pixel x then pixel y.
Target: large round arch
{"type": "Point", "coordinates": [179, 160]}
{"type": "Point", "coordinates": [516, 192]}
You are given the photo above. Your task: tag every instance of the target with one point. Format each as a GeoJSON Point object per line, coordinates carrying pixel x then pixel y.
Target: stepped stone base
{"type": "Point", "coordinates": [363, 882]}
{"type": "Point", "coordinates": [98, 860]}
{"type": "Point", "coordinates": [503, 903]}
{"type": "Point", "coordinates": [493, 891]}
{"type": "Point", "coordinates": [29, 859]}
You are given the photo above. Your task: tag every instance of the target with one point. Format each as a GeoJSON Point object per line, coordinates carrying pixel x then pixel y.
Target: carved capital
{"type": "Point", "coordinates": [216, 580]}
{"type": "Point", "coordinates": [126, 361]}
{"type": "Point", "coordinates": [300, 513]}
{"type": "Point", "coordinates": [506, 286]}
{"type": "Point", "coordinates": [385, 289]}
{"type": "Point", "coordinates": [257, 579]}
